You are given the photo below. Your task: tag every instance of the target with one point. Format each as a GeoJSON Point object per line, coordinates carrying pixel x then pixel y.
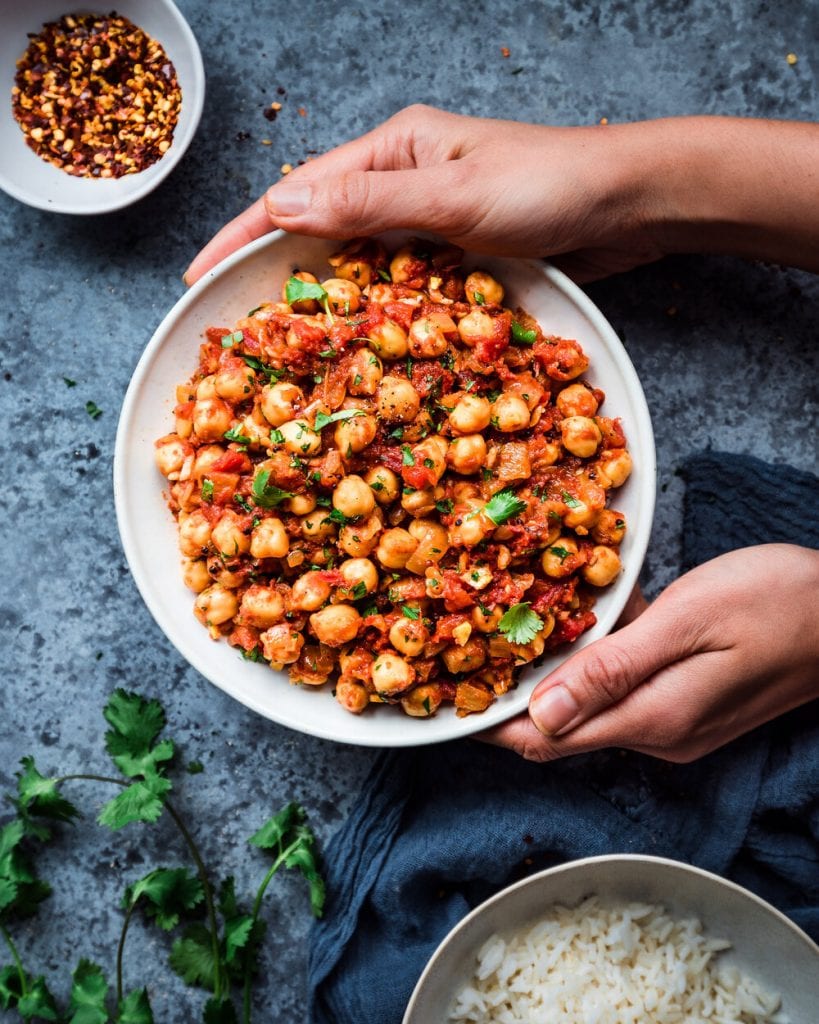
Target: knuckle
{"type": "Point", "coordinates": [609, 673]}
{"type": "Point", "coordinates": [350, 196]}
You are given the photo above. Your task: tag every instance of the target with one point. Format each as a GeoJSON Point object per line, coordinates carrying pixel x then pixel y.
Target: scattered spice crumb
{"type": "Point", "coordinates": [516, 71]}
{"type": "Point", "coordinates": [69, 383]}
{"type": "Point", "coordinates": [302, 112]}
{"type": "Point", "coordinates": [791, 59]}
{"type": "Point", "coordinates": [242, 136]}
{"type": "Point", "coordinates": [267, 142]}
{"type": "Point", "coordinates": [671, 311]}
{"type": "Point", "coordinates": [281, 91]}
{"type": "Point", "coordinates": [604, 120]}
{"type": "Point", "coordinates": [93, 410]}
{"type": "Point", "coordinates": [276, 106]}
{"type": "Point", "coordinates": [505, 51]}
{"type": "Point", "coordinates": [287, 168]}
{"type": "Point", "coordinates": [96, 96]}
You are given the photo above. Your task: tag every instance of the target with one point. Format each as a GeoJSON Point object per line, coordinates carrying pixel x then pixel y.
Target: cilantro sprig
{"type": "Point", "coordinates": [519, 624]}
{"type": "Point", "coordinates": [267, 495]}
{"type": "Point", "coordinates": [218, 951]}
{"type": "Point", "coordinates": [297, 290]}
{"type": "Point", "coordinates": [522, 336]}
{"type": "Point", "coordinates": [323, 419]}
{"type": "Point", "coordinates": [503, 506]}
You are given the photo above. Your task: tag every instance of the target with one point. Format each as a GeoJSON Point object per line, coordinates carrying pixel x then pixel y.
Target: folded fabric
{"type": "Point", "coordinates": [439, 829]}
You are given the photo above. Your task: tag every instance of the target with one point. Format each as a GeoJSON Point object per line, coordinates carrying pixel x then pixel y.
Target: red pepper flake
{"type": "Point", "coordinates": [505, 51]}
{"type": "Point", "coordinates": [95, 96]}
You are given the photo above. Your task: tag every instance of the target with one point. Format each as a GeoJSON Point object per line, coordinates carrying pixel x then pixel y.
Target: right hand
{"type": "Point", "coordinates": [577, 195]}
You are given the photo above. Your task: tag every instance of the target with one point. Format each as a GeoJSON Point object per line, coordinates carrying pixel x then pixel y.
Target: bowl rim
{"type": "Point", "coordinates": [318, 725]}
{"type": "Point", "coordinates": [116, 199]}
{"type": "Point", "coordinates": [581, 863]}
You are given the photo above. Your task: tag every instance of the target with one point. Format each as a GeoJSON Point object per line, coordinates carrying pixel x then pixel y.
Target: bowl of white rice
{"type": "Point", "coordinates": [622, 939]}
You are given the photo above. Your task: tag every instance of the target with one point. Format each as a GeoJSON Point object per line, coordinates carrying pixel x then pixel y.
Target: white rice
{"type": "Point", "coordinates": [631, 964]}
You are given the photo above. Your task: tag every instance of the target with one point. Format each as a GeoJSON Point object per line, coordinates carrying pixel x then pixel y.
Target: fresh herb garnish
{"type": "Point", "coordinates": [93, 410]}
{"type": "Point", "coordinates": [69, 383]}
{"type": "Point", "coordinates": [328, 353]}
{"type": "Point", "coordinates": [229, 340]}
{"type": "Point", "coordinates": [398, 433]}
{"type": "Point", "coordinates": [267, 495]}
{"type": "Point", "coordinates": [207, 489]}
{"type": "Point", "coordinates": [296, 291]}
{"type": "Point", "coordinates": [479, 298]}
{"type": "Point", "coordinates": [560, 552]}
{"type": "Point", "coordinates": [359, 591]}
{"type": "Point", "coordinates": [384, 275]}
{"type": "Point", "coordinates": [357, 380]}
{"type": "Point", "coordinates": [520, 625]}
{"type": "Point", "coordinates": [522, 336]}
{"type": "Point", "coordinates": [242, 501]}
{"type": "Point", "coordinates": [570, 500]}
{"type": "Point", "coordinates": [236, 437]}
{"type": "Point", "coordinates": [337, 516]}
{"type": "Point", "coordinates": [322, 419]}
{"type": "Point", "coordinates": [407, 458]}
{"type": "Point", "coordinates": [276, 436]}
{"type": "Point", "coordinates": [260, 367]}
{"type": "Point", "coordinates": [444, 505]}
{"type": "Point", "coordinates": [410, 613]}
{"type": "Point", "coordinates": [503, 506]}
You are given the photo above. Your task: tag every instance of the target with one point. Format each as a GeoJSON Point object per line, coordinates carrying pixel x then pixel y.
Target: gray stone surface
{"type": "Point", "coordinates": [734, 367]}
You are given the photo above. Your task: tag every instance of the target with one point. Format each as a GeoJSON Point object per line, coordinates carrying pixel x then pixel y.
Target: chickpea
{"type": "Point", "coordinates": [280, 402]}
{"type": "Point", "coordinates": [206, 388]}
{"type": "Point", "coordinates": [255, 428]}
{"type": "Point", "coordinates": [467, 454]}
{"type": "Point", "coordinates": [300, 438]}
{"type": "Point", "coordinates": [395, 547]}
{"type": "Point", "coordinates": [313, 667]}
{"type": "Point", "coordinates": [464, 658]}
{"type": "Point", "coordinates": [392, 674]}
{"type": "Point", "coordinates": [427, 335]}
{"type": "Point", "coordinates": [211, 418]}
{"type": "Point", "coordinates": [261, 607]}
{"type": "Point", "coordinates": [576, 400]}
{"type": "Point", "coordinates": [557, 561]}
{"type": "Point", "coordinates": [336, 624]}
{"type": "Point", "coordinates": [344, 295]}
{"type": "Point", "coordinates": [510, 413]}
{"type": "Point", "coordinates": [194, 533]}
{"type": "Point", "coordinates": [215, 605]}
{"type": "Point", "coordinates": [602, 567]}
{"type": "Point", "coordinates": [486, 621]}
{"type": "Point", "coordinates": [195, 574]}
{"type": "Point", "coordinates": [408, 636]}
{"type": "Point", "coordinates": [610, 528]}
{"type": "Point", "coordinates": [384, 483]}
{"type": "Point", "coordinates": [301, 504]}
{"type": "Point", "coordinates": [431, 534]}
{"type": "Point", "coordinates": [353, 435]}
{"type": "Point", "coordinates": [418, 501]}
{"type": "Point", "coordinates": [353, 497]}
{"type": "Point", "coordinates": [365, 373]}
{"type": "Point", "coordinates": [229, 536]}
{"type": "Point", "coordinates": [469, 526]}
{"type": "Point", "coordinates": [226, 572]}
{"type": "Point", "coordinates": [357, 571]}
{"type": "Point", "coordinates": [309, 592]}
{"type": "Point", "coordinates": [398, 401]}
{"type": "Point", "coordinates": [302, 305]}
{"type": "Point", "coordinates": [431, 454]}
{"type": "Point", "coordinates": [269, 539]}
{"type": "Point", "coordinates": [524, 653]}
{"type": "Point", "coordinates": [482, 289]}
{"type": "Point", "coordinates": [234, 382]}
{"type": "Point", "coordinates": [317, 525]}
{"type": "Point", "coordinates": [388, 340]}
{"type": "Point", "coordinates": [352, 696]}
{"type": "Point", "coordinates": [475, 326]}
{"type": "Point", "coordinates": [352, 269]}
{"type": "Point", "coordinates": [359, 539]}
{"type": "Point", "coordinates": [614, 467]}
{"type": "Point", "coordinates": [584, 512]}
{"type": "Point", "coordinates": [281, 644]}
{"type": "Point", "coordinates": [470, 415]}
{"type": "Point", "coordinates": [580, 435]}
{"type": "Point", "coordinates": [422, 701]}
{"type": "Point", "coordinates": [304, 332]}
{"type": "Point", "coordinates": [205, 458]}
{"type": "Point", "coordinates": [170, 456]}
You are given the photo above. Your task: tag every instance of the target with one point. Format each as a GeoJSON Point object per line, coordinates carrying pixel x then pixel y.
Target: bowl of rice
{"type": "Point", "coordinates": [622, 939]}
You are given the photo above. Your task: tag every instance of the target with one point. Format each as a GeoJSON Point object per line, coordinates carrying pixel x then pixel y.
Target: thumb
{"type": "Point", "coordinates": [606, 671]}
{"type": "Point", "coordinates": [360, 202]}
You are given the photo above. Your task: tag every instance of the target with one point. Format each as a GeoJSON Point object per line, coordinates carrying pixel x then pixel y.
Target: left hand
{"type": "Point", "coordinates": [728, 646]}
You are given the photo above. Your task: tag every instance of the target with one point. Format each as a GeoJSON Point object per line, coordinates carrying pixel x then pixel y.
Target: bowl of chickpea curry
{"type": "Point", "coordinates": [375, 490]}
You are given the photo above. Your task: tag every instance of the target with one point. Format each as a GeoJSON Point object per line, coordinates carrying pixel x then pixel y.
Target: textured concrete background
{"type": "Point", "coordinates": [727, 353]}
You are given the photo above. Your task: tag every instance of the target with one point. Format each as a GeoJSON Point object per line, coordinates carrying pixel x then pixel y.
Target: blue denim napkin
{"type": "Point", "coordinates": [439, 829]}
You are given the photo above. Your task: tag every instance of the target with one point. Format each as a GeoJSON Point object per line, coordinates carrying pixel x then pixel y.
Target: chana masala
{"type": "Point", "coordinates": [391, 481]}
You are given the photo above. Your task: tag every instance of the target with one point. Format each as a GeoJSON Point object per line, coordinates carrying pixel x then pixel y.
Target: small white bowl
{"type": "Point", "coordinates": [766, 945]}
{"type": "Point", "coordinates": [33, 180]}
{"type": "Point", "coordinates": [148, 532]}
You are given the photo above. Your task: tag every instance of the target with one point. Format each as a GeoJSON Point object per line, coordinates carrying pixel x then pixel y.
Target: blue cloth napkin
{"type": "Point", "coordinates": [439, 829]}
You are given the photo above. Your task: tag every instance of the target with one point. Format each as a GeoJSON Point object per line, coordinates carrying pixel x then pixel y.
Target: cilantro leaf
{"type": "Point", "coordinates": [192, 957]}
{"type": "Point", "coordinates": [570, 500]}
{"type": "Point", "coordinates": [220, 1011]}
{"type": "Point", "coordinates": [207, 489]}
{"type": "Point", "coordinates": [236, 437]}
{"type": "Point", "coordinates": [444, 505]}
{"type": "Point", "coordinates": [260, 367]}
{"type": "Point", "coordinates": [304, 858]}
{"type": "Point", "coordinates": [135, 724]}
{"type": "Point", "coordinates": [20, 889]}
{"type": "Point", "coordinates": [287, 832]}
{"type": "Point", "coordinates": [503, 506]}
{"type": "Point", "coordinates": [229, 340]}
{"type": "Point", "coordinates": [38, 1001]}
{"type": "Point", "coordinates": [522, 336]}
{"type": "Point", "coordinates": [322, 419]}
{"type": "Point", "coordinates": [93, 410]}
{"type": "Point", "coordinates": [479, 298]}
{"type": "Point", "coordinates": [141, 801]}
{"type": "Point", "coordinates": [407, 458]}
{"type": "Point", "coordinates": [40, 796]}
{"type": "Point", "coordinates": [237, 935]}
{"type": "Point", "coordinates": [135, 1008]}
{"type": "Point", "coordinates": [520, 624]}
{"type": "Point", "coordinates": [560, 552]}
{"type": "Point", "coordinates": [274, 830]}
{"type": "Point", "coordinates": [88, 992]}
{"type": "Point", "coordinates": [267, 495]}
{"type": "Point", "coordinates": [410, 613]}
{"type": "Point", "coordinates": [169, 892]}
{"type": "Point", "coordinates": [296, 290]}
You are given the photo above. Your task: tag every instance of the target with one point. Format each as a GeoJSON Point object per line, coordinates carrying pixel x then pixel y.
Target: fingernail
{"type": "Point", "coordinates": [185, 279]}
{"type": "Point", "coordinates": [553, 710]}
{"type": "Point", "coordinates": [288, 199]}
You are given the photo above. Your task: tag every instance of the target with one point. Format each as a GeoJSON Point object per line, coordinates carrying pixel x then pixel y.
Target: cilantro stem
{"type": "Point", "coordinates": [257, 905]}
{"type": "Point", "coordinates": [17, 961]}
{"type": "Point", "coordinates": [121, 948]}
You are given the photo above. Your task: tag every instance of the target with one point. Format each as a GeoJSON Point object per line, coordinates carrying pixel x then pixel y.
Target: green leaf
{"type": "Point", "coordinates": [192, 957]}
{"type": "Point", "coordinates": [335, 515]}
{"type": "Point", "coordinates": [260, 367]}
{"type": "Point", "coordinates": [521, 336]}
{"type": "Point", "coordinates": [40, 796]}
{"type": "Point", "coordinates": [227, 898]}
{"type": "Point", "coordinates": [135, 1008]}
{"type": "Point", "coordinates": [38, 1001]}
{"type": "Point", "coordinates": [570, 500]}
{"type": "Point", "coordinates": [229, 340]}
{"type": "Point", "coordinates": [10, 989]}
{"type": "Point", "coordinates": [520, 624]}
{"type": "Point", "coordinates": [93, 410]}
{"type": "Point", "coordinates": [237, 934]}
{"type": "Point", "coordinates": [21, 888]}
{"type": "Point", "coordinates": [236, 437]}
{"type": "Point", "coordinates": [141, 801]}
{"type": "Point", "coordinates": [445, 506]}
{"type": "Point", "coordinates": [410, 613]}
{"type": "Point", "coordinates": [169, 892]}
{"type": "Point", "coordinates": [407, 458]}
{"type": "Point", "coordinates": [503, 506]}
{"type": "Point", "coordinates": [276, 828]}
{"type": "Point", "coordinates": [219, 1011]}
{"type": "Point", "coordinates": [267, 495]}
{"type": "Point", "coordinates": [207, 489]}
{"type": "Point", "coordinates": [479, 298]}
{"type": "Point", "coordinates": [303, 857]}
{"type": "Point", "coordinates": [8, 893]}
{"type": "Point", "coordinates": [559, 552]}
{"type": "Point", "coordinates": [136, 723]}
{"type": "Point", "coordinates": [296, 290]}
{"type": "Point", "coordinates": [88, 992]}
{"type": "Point", "coordinates": [322, 419]}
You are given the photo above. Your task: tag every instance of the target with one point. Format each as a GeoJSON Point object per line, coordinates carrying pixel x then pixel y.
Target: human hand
{"type": "Point", "coordinates": [728, 646]}
{"type": "Point", "coordinates": [499, 187]}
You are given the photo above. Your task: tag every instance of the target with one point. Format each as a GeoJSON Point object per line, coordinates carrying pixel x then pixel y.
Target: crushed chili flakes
{"type": "Point", "coordinates": [96, 96]}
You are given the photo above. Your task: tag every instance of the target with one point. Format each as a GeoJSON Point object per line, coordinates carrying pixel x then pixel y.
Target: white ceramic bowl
{"type": "Point", "coordinates": [148, 531]}
{"type": "Point", "coordinates": [31, 179]}
{"type": "Point", "coordinates": [766, 945]}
